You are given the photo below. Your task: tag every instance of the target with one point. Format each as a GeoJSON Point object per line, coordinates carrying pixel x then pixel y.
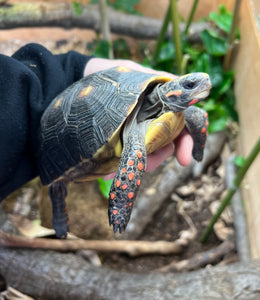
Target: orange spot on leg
{"type": "Point", "coordinates": [140, 166]}
{"type": "Point", "coordinates": [139, 153]}
{"type": "Point", "coordinates": [123, 170]}
{"type": "Point", "coordinates": [124, 186]}
{"type": "Point", "coordinates": [115, 212]}
{"type": "Point", "coordinates": [131, 176]}
{"type": "Point", "coordinates": [138, 182]}
{"type": "Point", "coordinates": [131, 162]}
{"type": "Point", "coordinates": [203, 130]}
{"type": "Point", "coordinates": [130, 195]}
{"type": "Point", "coordinates": [112, 196]}
{"type": "Point", "coordinates": [118, 183]}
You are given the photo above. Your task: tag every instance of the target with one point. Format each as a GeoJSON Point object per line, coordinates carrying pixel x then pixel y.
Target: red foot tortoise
{"type": "Point", "coordinates": [112, 120]}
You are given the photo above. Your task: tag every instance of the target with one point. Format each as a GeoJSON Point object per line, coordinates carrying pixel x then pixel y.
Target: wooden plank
{"type": "Point", "coordinates": [247, 90]}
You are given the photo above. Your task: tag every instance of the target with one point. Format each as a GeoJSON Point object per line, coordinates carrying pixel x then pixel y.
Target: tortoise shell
{"type": "Point", "coordinates": [82, 125]}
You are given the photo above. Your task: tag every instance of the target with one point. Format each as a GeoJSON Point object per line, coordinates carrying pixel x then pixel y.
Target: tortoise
{"type": "Point", "coordinates": [110, 121]}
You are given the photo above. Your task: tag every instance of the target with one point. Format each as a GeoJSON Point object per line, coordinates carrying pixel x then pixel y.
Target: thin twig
{"type": "Point", "coordinates": [201, 259]}
{"type": "Point", "coordinates": [132, 248]}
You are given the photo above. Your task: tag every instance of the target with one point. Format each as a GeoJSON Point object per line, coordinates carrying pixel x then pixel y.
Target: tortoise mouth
{"type": "Point", "coordinates": [201, 95]}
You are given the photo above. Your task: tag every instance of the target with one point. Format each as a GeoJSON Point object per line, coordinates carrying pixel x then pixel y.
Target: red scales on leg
{"type": "Point", "coordinates": [127, 181]}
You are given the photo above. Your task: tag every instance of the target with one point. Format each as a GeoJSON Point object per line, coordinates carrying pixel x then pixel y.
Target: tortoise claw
{"type": "Point", "coordinates": [120, 227]}
{"type": "Point", "coordinates": [118, 222]}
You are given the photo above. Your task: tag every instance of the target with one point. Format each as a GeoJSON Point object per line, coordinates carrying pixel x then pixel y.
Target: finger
{"type": "Point", "coordinates": [159, 156]}
{"type": "Point", "coordinates": [183, 148]}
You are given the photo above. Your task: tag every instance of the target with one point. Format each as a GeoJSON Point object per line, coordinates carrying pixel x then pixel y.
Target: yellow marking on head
{"type": "Point", "coordinates": [123, 69]}
{"type": "Point", "coordinates": [186, 75]}
{"type": "Point", "coordinates": [58, 102]}
{"type": "Point", "coordinates": [174, 93]}
{"type": "Point", "coordinates": [84, 92]}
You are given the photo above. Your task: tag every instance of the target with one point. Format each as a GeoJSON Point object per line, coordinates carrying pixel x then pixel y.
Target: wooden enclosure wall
{"type": "Point", "coordinates": [247, 90]}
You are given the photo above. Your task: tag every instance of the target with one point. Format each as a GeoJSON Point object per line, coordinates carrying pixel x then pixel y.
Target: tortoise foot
{"type": "Point", "coordinates": [58, 193]}
{"type": "Point", "coordinates": [197, 122]}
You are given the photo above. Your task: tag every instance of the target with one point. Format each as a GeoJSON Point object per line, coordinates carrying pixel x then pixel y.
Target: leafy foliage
{"type": "Point", "coordinates": [127, 6]}
{"type": "Point", "coordinates": [208, 58]}
{"type": "Point", "coordinates": [78, 7]}
{"type": "Point", "coordinates": [104, 186]}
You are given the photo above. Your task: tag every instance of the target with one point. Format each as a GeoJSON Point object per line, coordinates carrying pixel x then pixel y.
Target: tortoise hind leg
{"type": "Point", "coordinates": [58, 193]}
{"type": "Point", "coordinates": [127, 181]}
{"type": "Point", "coordinates": [197, 122]}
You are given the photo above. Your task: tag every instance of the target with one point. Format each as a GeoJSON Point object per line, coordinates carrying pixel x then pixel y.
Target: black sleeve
{"type": "Point", "coordinates": [29, 80]}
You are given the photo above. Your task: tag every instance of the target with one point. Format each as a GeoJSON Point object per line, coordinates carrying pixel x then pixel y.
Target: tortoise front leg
{"type": "Point", "coordinates": [127, 180]}
{"type": "Point", "coordinates": [197, 122]}
{"type": "Point", "coordinates": [58, 193]}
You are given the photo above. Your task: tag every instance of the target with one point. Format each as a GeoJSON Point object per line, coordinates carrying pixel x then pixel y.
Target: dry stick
{"type": "Point", "coordinates": [132, 248]}
{"type": "Point", "coordinates": [201, 259]}
{"type": "Point", "coordinates": [48, 14]}
{"type": "Point", "coordinates": [242, 242]}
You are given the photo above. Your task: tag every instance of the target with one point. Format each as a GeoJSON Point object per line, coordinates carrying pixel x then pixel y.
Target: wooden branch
{"type": "Point", "coordinates": [39, 14]}
{"type": "Point", "coordinates": [200, 260]}
{"type": "Point", "coordinates": [52, 275]}
{"type": "Point", "coordinates": [132, 248]}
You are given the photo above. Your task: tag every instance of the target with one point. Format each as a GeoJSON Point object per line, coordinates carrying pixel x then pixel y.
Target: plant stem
{"type": "Point", "coordinates": [105, 27]}
{"type": "Point", "coordinates": [176, 34]}
{"type": "Point", "coordinates": [193, 9]}
{"type": "Point", "coordinates": [227, 199]}
{"type": "Point", "coordinates": [231, 36]}
{"type": "Point", "coordinates": [161, 36]}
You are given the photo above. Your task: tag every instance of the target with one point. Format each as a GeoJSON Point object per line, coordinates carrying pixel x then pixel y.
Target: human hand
{"type": "Point", "coordinates": [181, 147]}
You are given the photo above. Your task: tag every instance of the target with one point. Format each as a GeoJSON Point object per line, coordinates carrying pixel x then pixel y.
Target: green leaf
{"type": "Point", "coordinates": [99, 48]}
{"type": "Point", "coordinates": [121, 49]}
{"type": "Point", "coordinates": [228, 79]}
{"type": "Point", "coordinates": [167, 52]}
{"type": "Point", "coordinates": [104, 186]}
{"type": "Point", "coordinates": [217, 124]}
{"type": "Point", "coordinates": [78, 7]}
{"type": "Point", "coordinates": [214, 45]}
{"type": "Point", "coordinates": [223, 19]}
{"type": "Point", "coordinates": [127, 6]}
{"type": "Point", "coordinates": [239, 161]}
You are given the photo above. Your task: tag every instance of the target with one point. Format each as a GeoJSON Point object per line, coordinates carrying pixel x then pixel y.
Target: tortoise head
{"type": "Point", "coordinates": [184, 91]}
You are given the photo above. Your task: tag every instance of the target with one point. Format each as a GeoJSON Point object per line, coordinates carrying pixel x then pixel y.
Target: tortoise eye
{"type": "Point", "coordinates": [189, 85]}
